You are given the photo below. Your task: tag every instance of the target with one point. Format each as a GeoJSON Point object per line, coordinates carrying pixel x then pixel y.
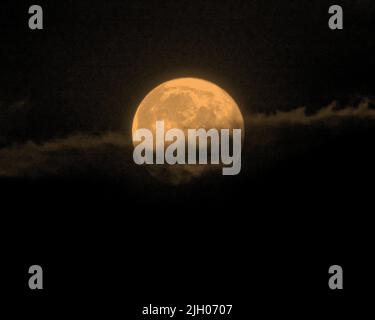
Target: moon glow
{"type": "Point", "coordinates": [186, 103]}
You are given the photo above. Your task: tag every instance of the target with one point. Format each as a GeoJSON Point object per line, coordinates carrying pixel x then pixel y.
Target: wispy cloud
{"type": "Point", "coordinates": [110, 154]}
{"type": "Point", "coordinates": [329, 114]}
{"type": "Point", "coordinates": [69, 154]}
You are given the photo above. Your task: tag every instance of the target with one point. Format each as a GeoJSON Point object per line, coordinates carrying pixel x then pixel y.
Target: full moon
{"type": "Point", "coordinates": [186, 103]}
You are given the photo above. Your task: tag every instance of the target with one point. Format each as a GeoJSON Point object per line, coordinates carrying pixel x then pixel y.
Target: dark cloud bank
{"type": "Point", "coordinates": [269, 138]}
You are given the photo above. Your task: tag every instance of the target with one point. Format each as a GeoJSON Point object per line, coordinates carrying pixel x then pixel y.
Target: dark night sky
{"type": "Point", "coordinates": [95, 60]}
{"type": "Point", "coordinates": [102, 226]}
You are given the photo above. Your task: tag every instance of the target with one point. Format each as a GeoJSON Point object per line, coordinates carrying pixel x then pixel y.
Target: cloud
{"type": "Point", "coordinates": [296, 128]}
{"type": "Point", "coordinates": [70, 155]}
{"type": "Point", "coordinates": [327, 115]}
{"type": "Point", "coordinates": [268, 136]}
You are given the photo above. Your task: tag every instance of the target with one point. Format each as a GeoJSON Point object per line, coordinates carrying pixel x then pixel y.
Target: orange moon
{"type": "Point", "coordinates": [186, 103]}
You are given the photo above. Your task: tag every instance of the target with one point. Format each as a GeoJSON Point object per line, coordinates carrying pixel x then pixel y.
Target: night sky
{"type": "Point", "coordinates": [68, 94]}
{"type": "Point", "coordinates": [94, 61]}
